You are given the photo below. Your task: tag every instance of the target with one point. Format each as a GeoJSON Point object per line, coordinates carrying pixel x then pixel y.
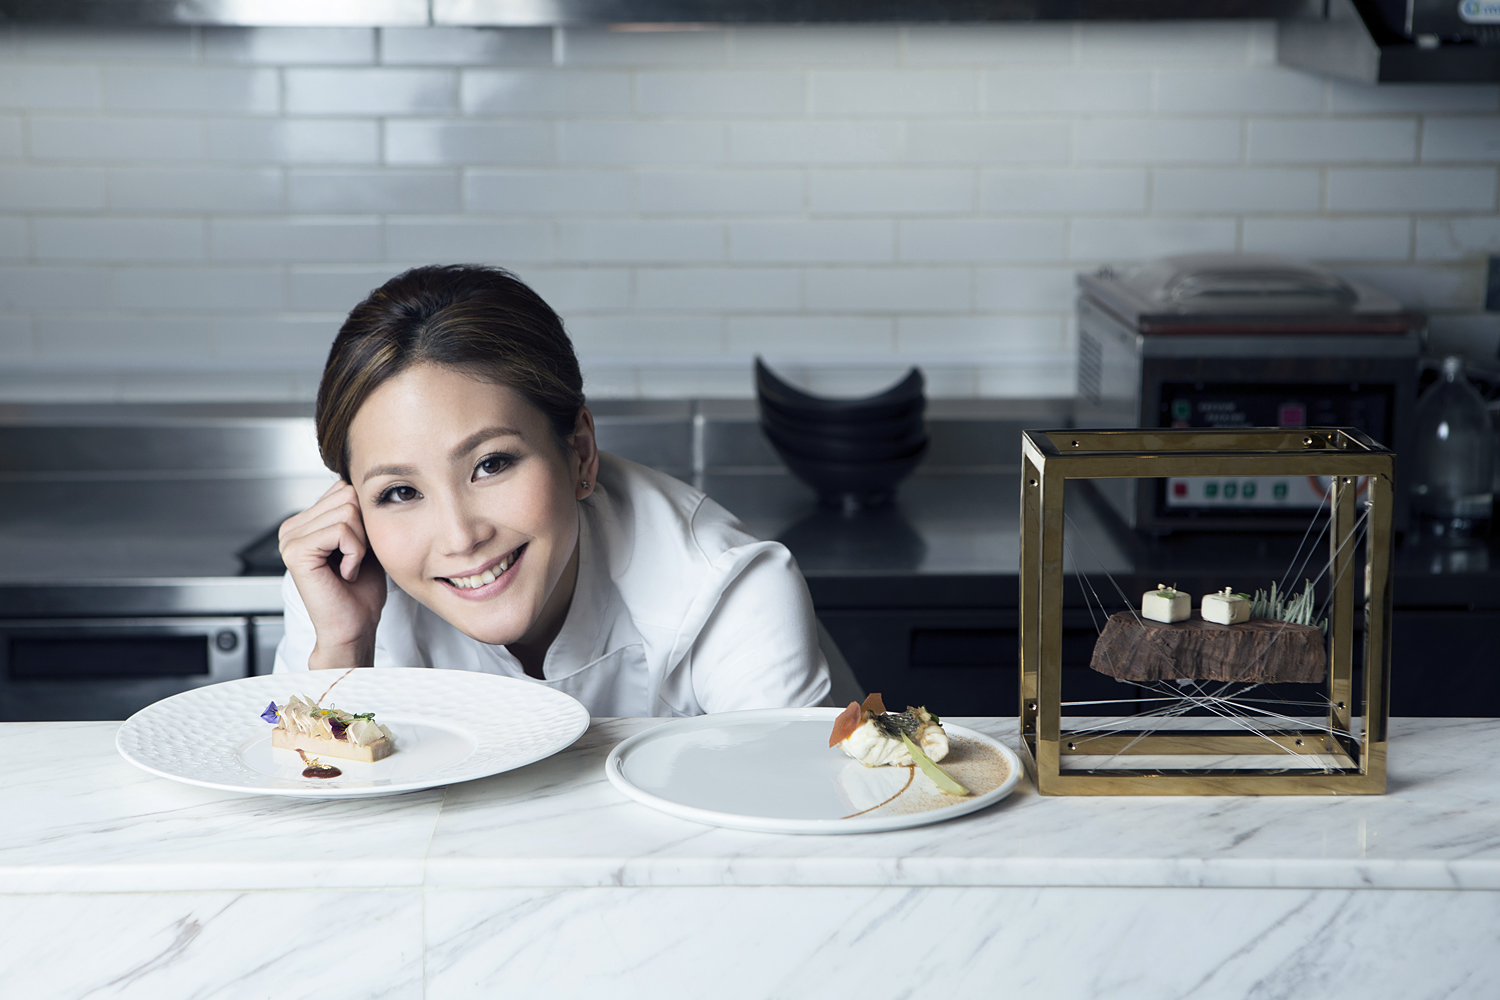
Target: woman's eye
{"type": "Point", "coordinates": [491, 465]}
{"type": "Point", "coordinates": [398, 494]}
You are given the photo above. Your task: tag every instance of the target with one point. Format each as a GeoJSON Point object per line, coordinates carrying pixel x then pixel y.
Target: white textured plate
{"type": "Point", "coordinates": [449, 725]}
{"type": "Point", "coordinates": [772, 771]}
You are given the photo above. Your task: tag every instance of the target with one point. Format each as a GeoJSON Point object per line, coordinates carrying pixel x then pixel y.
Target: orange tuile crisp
{"type": "Point", "coordinates": [874, 704]}
{"type": "Point", "coordinates": [848, 721]}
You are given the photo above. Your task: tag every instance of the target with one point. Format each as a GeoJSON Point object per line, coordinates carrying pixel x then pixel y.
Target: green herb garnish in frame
{"type": "Point", "coordinates": [939, 777]}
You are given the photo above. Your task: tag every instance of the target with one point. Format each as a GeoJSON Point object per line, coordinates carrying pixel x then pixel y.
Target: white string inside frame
{"type": "Point", "coordinates": [1240, 707]}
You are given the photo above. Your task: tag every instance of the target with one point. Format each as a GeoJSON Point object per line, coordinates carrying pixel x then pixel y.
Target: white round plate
{"type": "Point", "coordinates": [449, 725]}
{"type": "Point", "coordinates": [772, 771]}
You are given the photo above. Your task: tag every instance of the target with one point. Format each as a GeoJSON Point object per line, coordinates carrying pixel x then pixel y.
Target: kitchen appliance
{"type": "Point", "coordinates": [1394, 41]}
{"type": "Point", "coordinates": [1230, 340]}
{"type": "Point", "coordinates": [119, 584]}
{"type": "Point", "coordinates": [71, 668]}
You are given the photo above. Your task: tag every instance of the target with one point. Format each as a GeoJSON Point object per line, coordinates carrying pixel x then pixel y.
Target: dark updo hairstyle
{"type": "Point", "coordinates": [479, 320]}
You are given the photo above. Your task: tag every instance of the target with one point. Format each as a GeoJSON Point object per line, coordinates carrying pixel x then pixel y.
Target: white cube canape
{"type": "Point", "coordinates": [1166, 605]}
{"type": "Point", "coordinates": [1226, 607]}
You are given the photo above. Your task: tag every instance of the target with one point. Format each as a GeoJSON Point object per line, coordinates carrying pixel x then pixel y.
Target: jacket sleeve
{"type": "Point", "coordinates": [395, 644]}
{"type": "Point", "coordinates": [758, 646]}
{"type": "Point", "coordinates": [297, 642]}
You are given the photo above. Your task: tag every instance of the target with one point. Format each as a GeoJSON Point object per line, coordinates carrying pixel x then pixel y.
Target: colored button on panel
{"type": "Point", "coordinates": [1279, 491]}
{"type": "Point", "coordinates": [1210, 490]}
{"type": "Point", "coordinates": [1247, 490]}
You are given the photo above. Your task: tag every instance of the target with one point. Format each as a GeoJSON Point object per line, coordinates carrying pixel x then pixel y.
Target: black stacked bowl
{"type": "Point", "coordinates": [853, 452]}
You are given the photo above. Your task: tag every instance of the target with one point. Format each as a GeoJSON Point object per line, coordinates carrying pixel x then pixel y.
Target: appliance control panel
{"type": "Point", "coordinates": [1260, 493]}
{"type": "Point", "coordinates": [1189, 404]}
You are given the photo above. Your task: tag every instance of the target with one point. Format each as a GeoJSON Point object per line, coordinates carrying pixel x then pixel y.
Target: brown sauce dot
{"type": "Point", "coordinates": [316, 768]}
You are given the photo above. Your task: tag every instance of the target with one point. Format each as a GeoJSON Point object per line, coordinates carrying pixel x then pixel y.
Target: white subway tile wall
{"type": "Point", "coordinates": [189, 213]}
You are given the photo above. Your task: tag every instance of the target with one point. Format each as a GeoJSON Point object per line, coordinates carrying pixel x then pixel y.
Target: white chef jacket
{"type": "Point", "coordinates": [678, 610]}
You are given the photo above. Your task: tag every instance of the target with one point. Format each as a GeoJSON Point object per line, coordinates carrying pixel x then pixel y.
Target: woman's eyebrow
{"type": "Point", "coordinates": [474, 440]}
{"type": "Point", "coordinates": [388, 470]}
{"type": "Point", "coordinates": [465, 446]}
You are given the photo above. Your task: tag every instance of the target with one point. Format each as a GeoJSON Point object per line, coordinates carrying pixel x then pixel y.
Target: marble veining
{"type": "Point", "coordinates": [83, 820]}
{"type": "Point", "coordinates": [351, 945]}
{"type": "Point", "coordinates": [1439, 827]}
{"type": "Point", "coordinates": [546, 882]}
{"type": "Point", "coordinates": [1058, 943]}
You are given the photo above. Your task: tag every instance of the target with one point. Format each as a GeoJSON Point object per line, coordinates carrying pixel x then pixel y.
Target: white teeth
{"type": "Point", "coordinates": [481, 579]}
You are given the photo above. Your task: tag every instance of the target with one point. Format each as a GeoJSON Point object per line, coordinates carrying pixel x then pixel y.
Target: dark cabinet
{"type": "Point", "coordinates": [959, 662]}
{"type": "Point", "coordinates": [965, 662]}
{"type": "Point", "coordinates": [1444, 663]}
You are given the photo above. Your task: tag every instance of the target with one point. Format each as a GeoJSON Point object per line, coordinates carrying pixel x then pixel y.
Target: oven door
{"type": "Point", "coordinates": [109, 668]}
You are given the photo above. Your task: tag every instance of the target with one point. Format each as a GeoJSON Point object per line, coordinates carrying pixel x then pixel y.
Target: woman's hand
{"type": "Point", "coordinates": [339, 578]}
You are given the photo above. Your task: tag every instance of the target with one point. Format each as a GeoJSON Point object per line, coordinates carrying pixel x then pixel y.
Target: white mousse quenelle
{"type": "Point", "coordinates": [1226, 607]}
{"type": "Point", "coordinates": [1166, 604]}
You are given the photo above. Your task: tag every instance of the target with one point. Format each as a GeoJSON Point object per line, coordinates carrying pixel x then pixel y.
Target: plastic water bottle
{"type": "Point", "coordinates": [1452, 473]}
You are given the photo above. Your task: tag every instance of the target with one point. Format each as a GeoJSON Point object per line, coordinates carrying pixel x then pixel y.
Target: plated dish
{"type": "Point", "coordinates": [447, 726]}
{"type": "Point", "coordinates": [772, 771]}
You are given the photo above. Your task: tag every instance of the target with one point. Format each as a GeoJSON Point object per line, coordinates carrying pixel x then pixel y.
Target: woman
{"type": "Point", "coordinates": [475, 524]}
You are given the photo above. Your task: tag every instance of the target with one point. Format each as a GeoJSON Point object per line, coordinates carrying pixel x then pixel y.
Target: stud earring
{"type": "Point", "coordinates": [584, 484]}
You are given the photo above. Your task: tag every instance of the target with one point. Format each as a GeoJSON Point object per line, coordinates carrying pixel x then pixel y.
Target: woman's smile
{"type": "Point", "coordinates": [487, 581]}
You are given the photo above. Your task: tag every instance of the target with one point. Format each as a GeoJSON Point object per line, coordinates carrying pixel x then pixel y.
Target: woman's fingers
{"type": "Point", "coordinates": [317, 548]}
{"type": "Point", "coordinates": [324, 548]}
{"type": "Point", "coordinates": [337, 495]}
{"type": "Point", "coordinates": [346, 513]}
{"type": "Point", "coordinates": [340, 530]}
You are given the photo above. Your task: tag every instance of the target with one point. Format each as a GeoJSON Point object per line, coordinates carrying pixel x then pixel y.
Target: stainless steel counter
{"type": "Point", "coordinates": [131, 510]}
{"type": "Point", "coordinates": [141, 510]}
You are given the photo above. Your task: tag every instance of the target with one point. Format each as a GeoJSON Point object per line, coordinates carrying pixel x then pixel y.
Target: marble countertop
{"type": "Point", "coordinates": [80, 819]}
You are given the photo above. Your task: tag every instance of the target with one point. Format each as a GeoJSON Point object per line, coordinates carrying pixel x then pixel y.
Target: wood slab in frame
{"type": "Point", "coordinates": [1259, 651]}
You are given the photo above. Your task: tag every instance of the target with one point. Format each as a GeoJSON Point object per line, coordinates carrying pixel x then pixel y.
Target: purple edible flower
{"type": "Point", "coordinates": [270, 714]}
{"type": "Point", "coordinates": [340, 731]}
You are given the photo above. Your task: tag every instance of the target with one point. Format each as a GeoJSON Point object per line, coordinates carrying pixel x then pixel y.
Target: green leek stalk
{"type": "Point", "coordinates": [939, 777]}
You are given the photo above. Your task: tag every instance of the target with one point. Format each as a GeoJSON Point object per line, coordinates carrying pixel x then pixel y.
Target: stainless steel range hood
{"type": "Point", "coordinates": [1395, 41]}
{"type": "Point", "coordinates": [516, 13]}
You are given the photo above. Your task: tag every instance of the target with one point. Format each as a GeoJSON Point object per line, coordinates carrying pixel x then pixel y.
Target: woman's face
{"type": "Point", "coordinates": [468, 501]}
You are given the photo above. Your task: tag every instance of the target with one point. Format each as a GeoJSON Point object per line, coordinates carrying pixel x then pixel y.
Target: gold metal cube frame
{"type": "Point", "coordinates": [1051, 458]}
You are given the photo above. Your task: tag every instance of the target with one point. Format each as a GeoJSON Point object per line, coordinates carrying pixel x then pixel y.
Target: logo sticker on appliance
{"type": "Point", "coordinates": [1479, 11]}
